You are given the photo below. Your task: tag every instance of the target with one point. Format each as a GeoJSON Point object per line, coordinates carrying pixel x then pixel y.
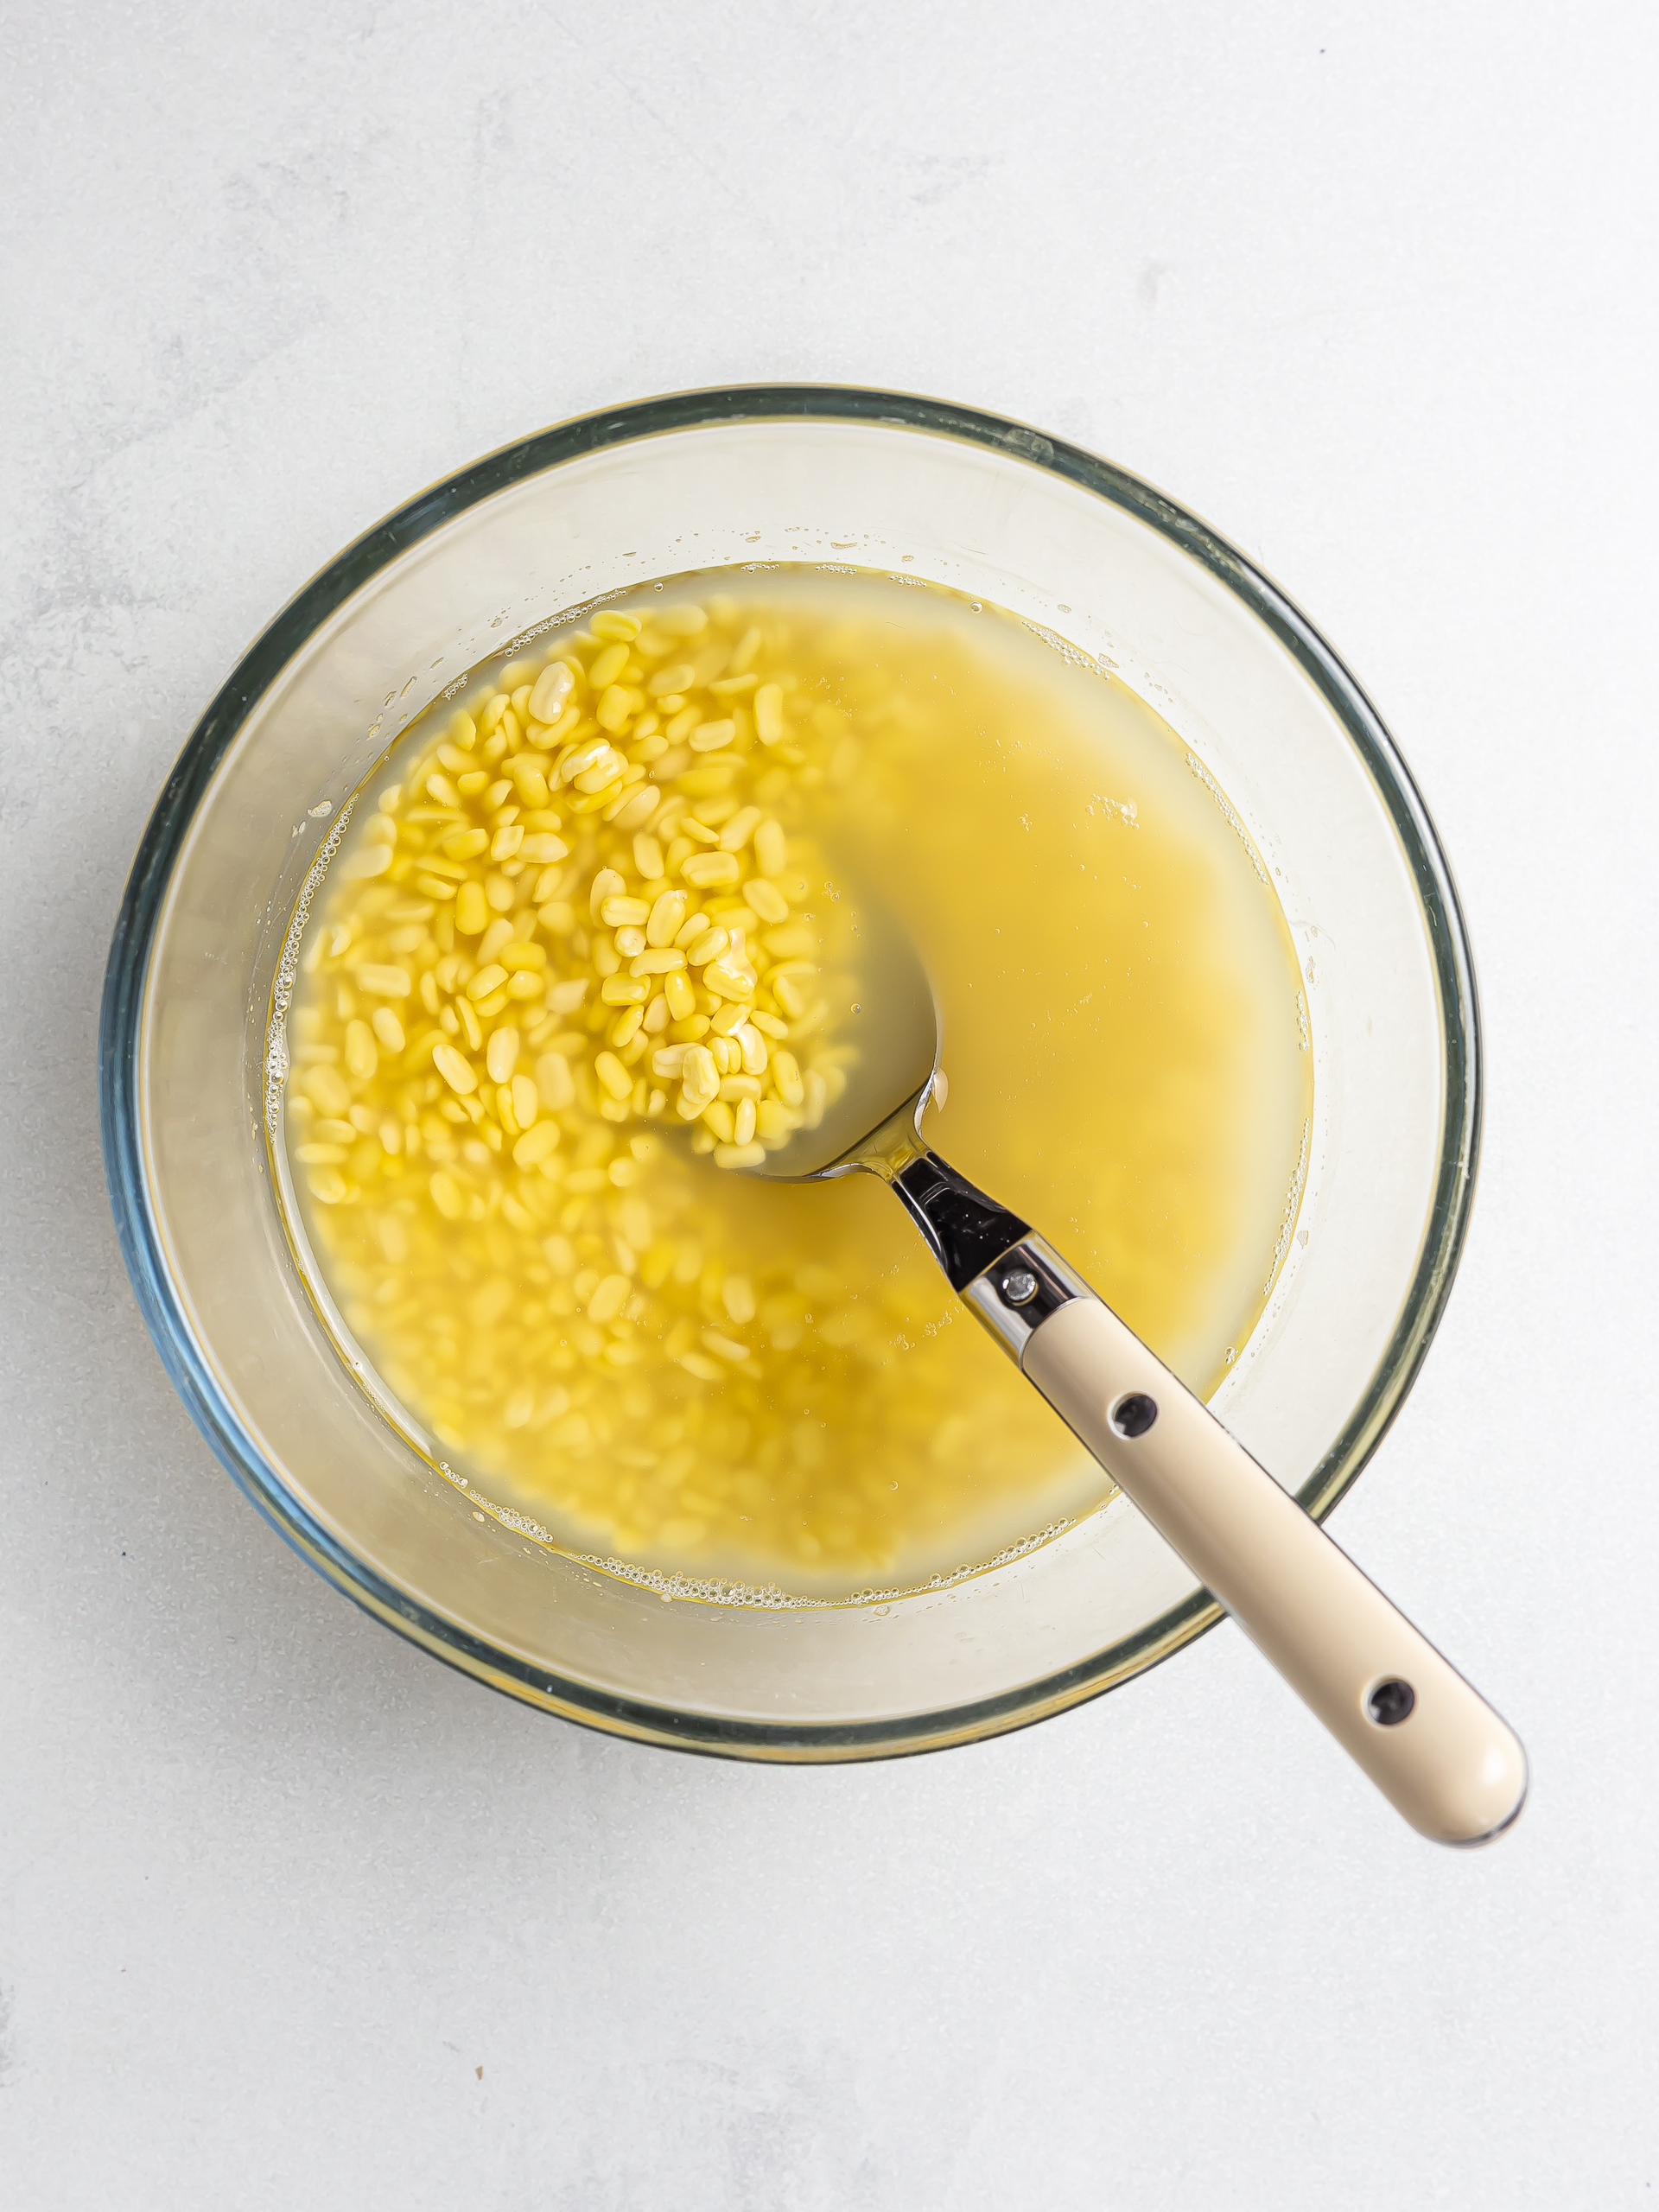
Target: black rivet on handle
{"type": "Point", "coordinates": [1133, 1415]}
{"type": "Point", "coordinates": [1391, 1702]}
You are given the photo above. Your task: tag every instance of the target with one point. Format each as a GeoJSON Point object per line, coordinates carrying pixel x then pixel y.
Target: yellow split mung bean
{"type": "Point", "coordinates": [581, 949]}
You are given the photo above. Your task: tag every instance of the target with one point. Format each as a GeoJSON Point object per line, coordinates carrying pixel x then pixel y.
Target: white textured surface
{"type": "Point", "coordinates": [289, 1916]}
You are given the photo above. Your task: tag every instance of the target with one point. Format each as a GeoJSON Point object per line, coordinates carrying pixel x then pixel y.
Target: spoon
{"type": "Point", "coordinates": [1433, 1747]}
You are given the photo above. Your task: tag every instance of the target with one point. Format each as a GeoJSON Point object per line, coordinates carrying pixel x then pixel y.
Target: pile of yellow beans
{"type": "Point", "coordinates": [584, 943]}
{"type": "Point", "coordinates": [575, 926]}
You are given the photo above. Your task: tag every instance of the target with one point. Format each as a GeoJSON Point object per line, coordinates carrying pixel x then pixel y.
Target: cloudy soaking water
{"type": "Point", "coordinates": [583, 955]}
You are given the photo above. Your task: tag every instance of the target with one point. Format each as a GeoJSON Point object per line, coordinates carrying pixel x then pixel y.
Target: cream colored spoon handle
{"type": "Point", "coordinates": [1453, 1769]}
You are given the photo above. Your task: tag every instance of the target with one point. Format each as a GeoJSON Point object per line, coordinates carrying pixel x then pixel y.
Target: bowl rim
{"type": "Point", "coordinates": [121, 1014]}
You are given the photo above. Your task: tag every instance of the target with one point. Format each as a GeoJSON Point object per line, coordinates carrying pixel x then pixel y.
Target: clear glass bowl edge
{"type": "Point", "coordinates": [122, 1008]}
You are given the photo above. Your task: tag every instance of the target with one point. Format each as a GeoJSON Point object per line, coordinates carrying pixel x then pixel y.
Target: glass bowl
{"type": "Point", "coordinates": [767, 473]}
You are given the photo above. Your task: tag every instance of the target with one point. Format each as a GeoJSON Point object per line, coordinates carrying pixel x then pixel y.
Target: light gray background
{"type": "Point", "coordinates": [290, 1916]}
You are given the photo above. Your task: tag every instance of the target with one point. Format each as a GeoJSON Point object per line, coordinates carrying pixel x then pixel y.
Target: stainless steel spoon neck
{"type": "Point", "coordinates": [1020, 1288]}
{"type": "Point", "coordinates": [965, 1230]}
{"type": "Point", "coordinates": [1011, 1278]}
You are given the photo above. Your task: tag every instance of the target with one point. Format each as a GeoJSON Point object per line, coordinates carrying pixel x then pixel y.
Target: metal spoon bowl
{"type": "Point", "coordinates": [891, 1028]}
